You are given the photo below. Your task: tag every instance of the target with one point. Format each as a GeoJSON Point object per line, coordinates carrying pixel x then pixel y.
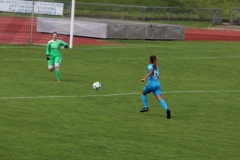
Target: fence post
{"type": "Point", "coordinates": [143, 13]}
{"type": "Point", "coordinates": [169, 14]}
{"type": "Point", "coordinates": [231, 15]}
{"type": "Point", "coordinates": [191, 14]}
{"type": "Point", "coordinates": [108, 11]}
{"type": "Point", "coordinates": [31, 34]}
{"type": "Point", "coordinates": [214, 16]}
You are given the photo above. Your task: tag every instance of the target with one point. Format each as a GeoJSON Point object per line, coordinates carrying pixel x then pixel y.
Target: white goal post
{"type": "Point", "coordinates": [72, 24]}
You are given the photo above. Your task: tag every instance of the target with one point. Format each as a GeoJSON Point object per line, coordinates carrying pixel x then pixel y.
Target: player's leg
{"type": "Point", "coordinates": [51, 65]}
{"type": "Point", "coordinates": [162, 101]}
{"type": "Point", "coordinates": [158, 94]}
{"type": "Point", "coordinates": [57, 67]}
{"type": "Point", "coordinates": [145, 91]}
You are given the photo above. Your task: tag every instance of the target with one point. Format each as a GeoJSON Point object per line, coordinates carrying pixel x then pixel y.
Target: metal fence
{"type": "Point", "coordinates": [234, 15]}
{"type": "Point", "coordinates": [128, 12]}
{"type": "Point", "coordinates": [18, 20]}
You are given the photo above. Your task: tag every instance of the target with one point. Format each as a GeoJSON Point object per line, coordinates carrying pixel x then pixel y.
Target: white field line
{"type": "Point", "coordinates": [126, 46]}
{"type": "Point", "coordinates": [193, 49]}
{"type": "Point", "coordinates": [93, 48]}
{"type": "Point", "coordinates": [119, 94]}
{"type": "Point", "coordinates": [18, 47]}
{"type": "Point", "coordinates": [119, 59]}
{"type": "Point", "coordinates": [123, 47]}
{"type": "Point", "coordinates": [99, 59]}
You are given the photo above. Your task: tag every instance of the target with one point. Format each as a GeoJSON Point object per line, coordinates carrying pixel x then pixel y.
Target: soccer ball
{"type": "Point", "coordinates": [96, 85]}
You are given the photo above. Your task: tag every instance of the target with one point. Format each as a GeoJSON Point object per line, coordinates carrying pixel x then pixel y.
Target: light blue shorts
{"type": "Point", "coordinates": [156, 89]}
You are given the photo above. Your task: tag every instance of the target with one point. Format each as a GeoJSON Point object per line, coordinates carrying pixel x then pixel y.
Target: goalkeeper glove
{"type": "Point", "coordinates": [48, 57]}
{"type": "Point", "coordinates": [66, 46]}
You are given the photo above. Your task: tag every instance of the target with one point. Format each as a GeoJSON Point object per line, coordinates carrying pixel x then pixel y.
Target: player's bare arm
{"type": "Point", "coordinates": [147, 75]}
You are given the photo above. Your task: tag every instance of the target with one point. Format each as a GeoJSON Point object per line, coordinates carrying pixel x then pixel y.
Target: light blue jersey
{"type": "Point", "coordinates": [153, 78]}
{"type": "Point", "coordinates": [153, 84]}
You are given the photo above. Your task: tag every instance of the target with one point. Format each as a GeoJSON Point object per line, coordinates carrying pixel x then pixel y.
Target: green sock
{"type": "Point", "coordinates": [57, 71]}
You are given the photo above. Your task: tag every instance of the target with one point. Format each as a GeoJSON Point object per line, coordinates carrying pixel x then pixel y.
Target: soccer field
{"type": "Point", "coordinates": [43, 119]}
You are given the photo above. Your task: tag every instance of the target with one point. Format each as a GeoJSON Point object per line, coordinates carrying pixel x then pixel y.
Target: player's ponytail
{"type": "Point", "coordinates": [153, 60]}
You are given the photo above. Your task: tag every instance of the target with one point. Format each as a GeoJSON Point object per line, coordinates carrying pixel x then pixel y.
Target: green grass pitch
{"type": "Point", "coordinates": [43, 119]}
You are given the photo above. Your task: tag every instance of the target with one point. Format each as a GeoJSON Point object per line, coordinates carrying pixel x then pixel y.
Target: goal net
{"type": "Point", "coordinates": [34, 21]}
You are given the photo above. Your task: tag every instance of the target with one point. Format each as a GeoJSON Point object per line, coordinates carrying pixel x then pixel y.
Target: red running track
{"type": "Point", "coordinates": [211, 34]}
{"type": "Point", "coordinates": [17, 30]}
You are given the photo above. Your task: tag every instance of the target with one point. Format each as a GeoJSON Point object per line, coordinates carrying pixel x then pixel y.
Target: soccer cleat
{"type": "Point", "coordinates": [168, 114]}
{"type": "Point", "coordinates": [58, 81]}
{"type": "Point", "coordinates": [144, 110]}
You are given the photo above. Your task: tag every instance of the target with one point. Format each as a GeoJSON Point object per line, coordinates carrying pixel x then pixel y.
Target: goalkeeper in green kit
{"type": "Point", "coordinates": [54, 55]}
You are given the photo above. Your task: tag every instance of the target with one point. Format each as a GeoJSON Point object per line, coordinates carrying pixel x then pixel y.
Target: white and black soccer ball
{"type": "Point", "coordinates": [96, 85]}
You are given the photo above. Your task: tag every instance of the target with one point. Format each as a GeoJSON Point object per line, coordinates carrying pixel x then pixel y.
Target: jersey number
{"type": "Point", "coordinates": [155, 75]}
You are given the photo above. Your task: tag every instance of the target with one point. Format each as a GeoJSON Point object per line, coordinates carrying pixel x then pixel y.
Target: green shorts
{"type": "Point", "coordinates": [54, 59]}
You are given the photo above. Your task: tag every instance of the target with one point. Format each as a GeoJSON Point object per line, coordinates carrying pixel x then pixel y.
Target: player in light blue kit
{"type": "Point", "coordinates": [153, 85]}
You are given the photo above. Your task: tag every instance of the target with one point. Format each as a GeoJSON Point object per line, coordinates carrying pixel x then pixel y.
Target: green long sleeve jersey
{"type": "Point", "coordinates": [53, 47]}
